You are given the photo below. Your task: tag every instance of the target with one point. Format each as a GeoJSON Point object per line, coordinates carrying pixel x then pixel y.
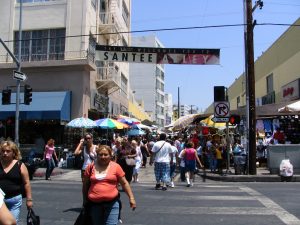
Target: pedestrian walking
{"type": "Point", "coordinates": [50, 158]}
{"type": "Point", "coordinates": [126, 152]}
{"type": "Point", "coordinates": [161, 156]}
{"type": "Point", "coordinates": [138, 160]}
{"type": "Point", "coordinates": [87, 150]}
{"type": "Point", "coordinates": [14, 178]}
{"type": "Point", "coordinates": [100, 192]}
{"type": "Point", "coordinates": [190, 156]}
{"type": "Point", "coordinates": [173, 162]}
{"type": "Point", "coordinates": [145, 152]}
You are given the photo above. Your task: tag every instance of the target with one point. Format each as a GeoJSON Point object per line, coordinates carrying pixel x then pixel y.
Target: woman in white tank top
{"type": "Point", "coordinates": [87, 149]}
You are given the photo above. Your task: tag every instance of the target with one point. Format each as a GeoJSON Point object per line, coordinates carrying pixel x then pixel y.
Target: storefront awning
{"type": "Point", "coordinates": [268, 110]}
{"type": "Point", "coordinates": [44, 106]}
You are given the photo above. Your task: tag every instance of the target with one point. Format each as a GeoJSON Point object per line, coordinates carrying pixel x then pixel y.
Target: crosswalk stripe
{"type": "Point", "coordinates": [213, 198]}
{"type": "Point", "coordinates": [277, 210]}
{"type": "Point", "coordinates": [211, 210]}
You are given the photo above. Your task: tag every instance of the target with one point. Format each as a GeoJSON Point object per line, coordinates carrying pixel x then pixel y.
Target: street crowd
{"type": "Point", "coordinates": [108, 169]}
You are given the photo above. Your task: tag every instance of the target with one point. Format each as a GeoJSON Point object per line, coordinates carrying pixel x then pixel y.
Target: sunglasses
{"type": "Point", "coordinates": [87, 138]}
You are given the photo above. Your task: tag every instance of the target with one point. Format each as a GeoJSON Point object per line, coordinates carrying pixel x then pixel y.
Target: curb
{"type": "Point", "coordinates": [249, 178]}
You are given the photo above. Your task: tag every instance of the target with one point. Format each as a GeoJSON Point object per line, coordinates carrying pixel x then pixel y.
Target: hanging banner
{"type": "Point", "coordinates": [158, 55]}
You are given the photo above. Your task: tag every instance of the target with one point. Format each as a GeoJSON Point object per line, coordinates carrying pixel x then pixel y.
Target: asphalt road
{"type": "Point", "coordinates": [59, 202]}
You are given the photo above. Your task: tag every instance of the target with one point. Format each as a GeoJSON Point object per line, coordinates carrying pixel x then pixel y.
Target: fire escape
{"type": "Point", "coordinates": [108, 74]}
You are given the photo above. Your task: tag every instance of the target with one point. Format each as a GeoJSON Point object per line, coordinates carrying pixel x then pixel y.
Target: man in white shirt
{"type": "Point", "coordinates": [162, 157]}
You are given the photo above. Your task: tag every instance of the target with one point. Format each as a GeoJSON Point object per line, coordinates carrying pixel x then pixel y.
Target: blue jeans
{"type": "Point", "coordinates": [50, 167]}
{"type": "Point", "coordinates": [14, 206]}
{"type": "Point", "coordinates": [107, 214]}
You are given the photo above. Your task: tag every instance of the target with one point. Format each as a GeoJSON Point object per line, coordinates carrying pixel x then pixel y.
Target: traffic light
{"type": "Point", "coordinates": [6, 94]}
{"type": "Point", "coordinates": [234, 119]}
{"type": "Point", "coordinates": [220, 94]}
{"type": "Point", "coordinates": [27, 94]}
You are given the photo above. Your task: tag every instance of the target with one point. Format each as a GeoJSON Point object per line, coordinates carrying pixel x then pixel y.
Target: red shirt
{"type": "Point", "coordinates": [104, 187]}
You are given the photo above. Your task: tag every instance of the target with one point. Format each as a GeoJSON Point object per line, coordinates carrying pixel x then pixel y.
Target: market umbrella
{"type": "Point", "coordinates": [82, 122]}
{"type": "Point", "coordinates": [108, 123]}
{"type": "Point", "coordinates": [184, 121]}
{"type": "Point", "coordinates": [141, 126]}
{"type": "Point", "coordinates": [294, 107]}
{"type": "Point", "coordinates": [128, 120]}
{"type": "Point", "coordinates": [135, 132]}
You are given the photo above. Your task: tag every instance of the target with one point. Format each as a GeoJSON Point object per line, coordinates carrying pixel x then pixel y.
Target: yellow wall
{"type": "Point", "coordinates": [137, 112]}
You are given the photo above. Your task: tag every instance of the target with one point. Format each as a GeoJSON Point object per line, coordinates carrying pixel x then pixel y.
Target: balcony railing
{"type": "Point", "coordinates": [71, 55]}
{"type": "Point", "coordinates": [108, 78]}
{"type": "Point", "coordinates": [109, 19]}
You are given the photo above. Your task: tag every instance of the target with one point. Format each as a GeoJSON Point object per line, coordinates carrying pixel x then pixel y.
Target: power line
{"type": "Point", "coordinates": [162, 29]}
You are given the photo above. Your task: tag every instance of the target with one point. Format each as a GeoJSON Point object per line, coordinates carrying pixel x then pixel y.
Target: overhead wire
{"type": "Point", "coordinates": [161, 30]}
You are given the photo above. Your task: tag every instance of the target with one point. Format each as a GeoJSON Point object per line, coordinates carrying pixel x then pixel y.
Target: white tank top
{"type": "Point", "coordinates": [88, 158]}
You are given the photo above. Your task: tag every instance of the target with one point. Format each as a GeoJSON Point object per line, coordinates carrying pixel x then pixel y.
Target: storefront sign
{"type": "Point", "coordinates": [290, 91]}
{"type": "Point", "coordinates": [158, 55]}
{"type": "Point", "coordinates": [101, 102]}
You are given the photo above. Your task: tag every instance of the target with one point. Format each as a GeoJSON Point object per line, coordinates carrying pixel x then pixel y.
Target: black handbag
{"type": "Point", "coordinates": [32, 218]}
{"type": "Point", "coordinates": [83, 217]}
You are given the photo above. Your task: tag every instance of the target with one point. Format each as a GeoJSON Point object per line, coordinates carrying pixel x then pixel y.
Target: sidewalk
{"type": "Point", "coordinates": [262, 175]}
{"type": "Point", "coordinates": [147, 175]}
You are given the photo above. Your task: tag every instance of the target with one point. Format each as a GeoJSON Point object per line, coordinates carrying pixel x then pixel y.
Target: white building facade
{"type": "Point", "coordinates": [58, 55]}
{"type": "Point", "coordinates": [148, 81]}
{"type": "Point", "coordinates": [168, 108]}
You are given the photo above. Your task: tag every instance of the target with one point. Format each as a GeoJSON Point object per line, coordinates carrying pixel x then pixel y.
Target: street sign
{"type": "Point", "coordinates": [222, 109]}
{"type": "Point", "coordinates": [19, 76]}
{"type": "Point", "coordinates": [220, 119]}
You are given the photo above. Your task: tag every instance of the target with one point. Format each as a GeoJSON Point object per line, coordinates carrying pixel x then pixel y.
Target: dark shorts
{"type": "Point", "coordinates": [190, 165]}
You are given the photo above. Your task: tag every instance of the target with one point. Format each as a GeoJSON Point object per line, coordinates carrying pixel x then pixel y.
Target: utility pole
{"type": "Point", "coordinates": [250, 83]}
{"type": "Point", "coordinates": [192, 108]}
{"type": "Point", "coordinates": [18, 81]}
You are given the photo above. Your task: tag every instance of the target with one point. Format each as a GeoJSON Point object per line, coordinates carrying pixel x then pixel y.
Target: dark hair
{"type": "Point", "coordinates": [190, 145]}
{"type": "Point", "coordinates": [162, 136]}
{"type": "Point", "coordinates": [88, 134]}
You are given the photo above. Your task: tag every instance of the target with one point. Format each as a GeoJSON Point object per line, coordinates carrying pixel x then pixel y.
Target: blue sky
{"type": "Point", "coordinates": [196, 82]}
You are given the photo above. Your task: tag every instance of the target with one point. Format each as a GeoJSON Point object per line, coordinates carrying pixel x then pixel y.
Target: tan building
{"type": "Point", "coordinates": [277, 84]}
{"type": "Point", "coordinates": [277, 75]}
{"type": "Point", "coordinates": [58, 56]}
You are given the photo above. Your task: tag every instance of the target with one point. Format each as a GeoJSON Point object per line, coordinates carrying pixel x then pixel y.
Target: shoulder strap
{"type": "Point", "coordinates": [161, 147]}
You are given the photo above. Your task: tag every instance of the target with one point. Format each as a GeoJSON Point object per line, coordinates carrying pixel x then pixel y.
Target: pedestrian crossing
{"type": "Point", "coordinates": [214, 200]}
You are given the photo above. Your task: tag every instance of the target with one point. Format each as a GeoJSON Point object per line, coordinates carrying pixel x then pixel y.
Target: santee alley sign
{"type": "Point", "coordinates": [158, 55]}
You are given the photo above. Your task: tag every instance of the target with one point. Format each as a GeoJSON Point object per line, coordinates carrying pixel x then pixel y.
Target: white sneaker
{"type": "Point", "coordinates": [172, 184]}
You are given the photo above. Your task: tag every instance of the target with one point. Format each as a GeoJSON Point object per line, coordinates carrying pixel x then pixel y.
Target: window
{"type": "Point", "coordinates": [270, 83]}
{"type": "Point", "coordinates": [39, 45]}
{"type": "Point", "coordinates": [238, 100]}
{"type": "Point", "coordinates": [123, 85]}
{"type": "Point", "coordinates": [92, 47]}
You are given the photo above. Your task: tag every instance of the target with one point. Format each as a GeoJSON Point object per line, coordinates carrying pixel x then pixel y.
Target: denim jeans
{"type": "Point", "coordinates": [105, 215]}
{"type": "Point", "coordinates": [50, 167]}
{"type": "Point", "coordinates": [14, 206]}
